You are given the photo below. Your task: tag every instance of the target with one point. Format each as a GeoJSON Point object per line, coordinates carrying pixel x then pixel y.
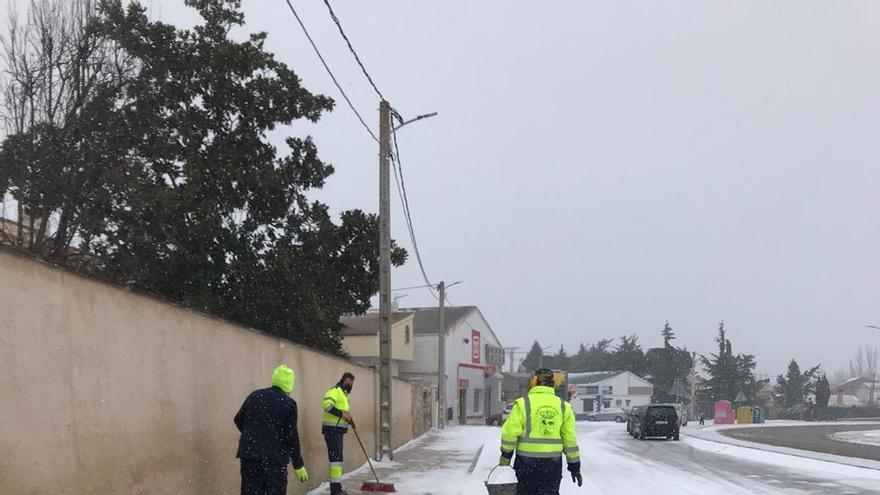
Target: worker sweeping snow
{"type": "Point", "coordinates": [337, 418]}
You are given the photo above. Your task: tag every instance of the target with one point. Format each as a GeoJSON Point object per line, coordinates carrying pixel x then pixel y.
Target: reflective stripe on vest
{"type": "Point", "coordinates": [539, 447]}
{"type": "Point", "coordinates": [335, 397]}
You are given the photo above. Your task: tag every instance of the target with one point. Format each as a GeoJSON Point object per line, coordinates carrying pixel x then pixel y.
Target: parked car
{"type": "Point", "coordinates": [495, 419]}
{"type": "Point", "coordinates": [657, 420]}
{"type": "Point", "coordinates": [632, 416]}
{"type": "Point", "coordinates": [616, 415]}
{"type": "Point", "coordinates": [499, 418]}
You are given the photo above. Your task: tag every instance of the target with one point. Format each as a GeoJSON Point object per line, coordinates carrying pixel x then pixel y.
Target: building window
{"type": "Point", "coordinates": [606, 403]}
{"type": "Point", "coordinates": [618, 402]}
{"type": "Point", "coordinates": [406, 334]}
{"type": "Point", "coordinates": [591, 390]}
{"type": "Point", "coordinates": [607, 390]}
{"type": "Point", "coordinates": [478, 399]}
{"type": "Point", "coordinates": [627, 402]}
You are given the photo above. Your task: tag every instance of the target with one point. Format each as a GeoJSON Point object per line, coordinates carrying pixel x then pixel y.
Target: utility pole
{"type": "Point", "coordinates": [692, 410]}
{"type": "Point", "coordinates": [385, 280]}
{"type": "Point", "coordinates": [441, 359]}
{"type": "Point", "coordinates": [512, 352]}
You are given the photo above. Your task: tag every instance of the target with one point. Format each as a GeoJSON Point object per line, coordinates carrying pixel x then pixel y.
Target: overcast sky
{"type": "Point", "coordinates": [597, 168]}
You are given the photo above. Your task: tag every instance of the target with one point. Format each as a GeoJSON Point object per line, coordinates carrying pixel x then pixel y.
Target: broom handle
{"type": "Point", "coordinates": [365, 453]}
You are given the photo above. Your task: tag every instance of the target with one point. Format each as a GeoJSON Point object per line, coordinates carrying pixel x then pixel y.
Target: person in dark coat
{"type": "Point", "coordinates": [269, 437]}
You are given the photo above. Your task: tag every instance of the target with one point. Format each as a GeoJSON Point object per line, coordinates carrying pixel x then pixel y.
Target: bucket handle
{"type": "Point", "coordinates": [490, 474]}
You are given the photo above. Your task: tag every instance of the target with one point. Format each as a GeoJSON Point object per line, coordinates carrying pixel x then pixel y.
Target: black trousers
{"type": "Point", "coordinates": [261, 478]}
{"type": "Point", "coordinates": [537, 476]}
{"type": "Point", "coordinates": [334, 437]}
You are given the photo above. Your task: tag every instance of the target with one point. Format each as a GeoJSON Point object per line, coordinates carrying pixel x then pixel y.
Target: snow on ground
{"type": "Point", "coordinates": [713, 436]}
{"type": "Point", "coordinates": [803, 465]}
{"type": "Point", "coordinates": [612, 463]}
{"type": "Point", "coordinates": [869, 437]}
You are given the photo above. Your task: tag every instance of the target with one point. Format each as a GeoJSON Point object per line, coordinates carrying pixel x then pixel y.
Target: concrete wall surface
{"type": "Point", "coordinates": [105, 390]}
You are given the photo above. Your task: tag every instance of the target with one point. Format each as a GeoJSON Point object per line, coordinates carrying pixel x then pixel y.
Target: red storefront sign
{"type": "Point", "coordinates": [463, 384]}
{"type": "Point", "coordinates": [475, 347]}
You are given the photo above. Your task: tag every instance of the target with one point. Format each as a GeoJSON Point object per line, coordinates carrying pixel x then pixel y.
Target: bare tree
{"type": "Point", "coordinates": [55, 64]}
{"type": "Point", "coordinates": [865, 363]}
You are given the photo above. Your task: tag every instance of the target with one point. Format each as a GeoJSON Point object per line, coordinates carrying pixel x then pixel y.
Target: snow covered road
{"type": "Point", "coordinates": [614, 463]}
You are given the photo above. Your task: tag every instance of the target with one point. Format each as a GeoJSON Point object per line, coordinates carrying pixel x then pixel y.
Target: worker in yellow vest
{"type": "Point", "coordinates": [541, 430]}
{"type": "Point", "coordinates": [337, 419]}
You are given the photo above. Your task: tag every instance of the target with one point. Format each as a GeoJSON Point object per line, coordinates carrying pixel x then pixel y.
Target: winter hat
{"type": "Point", "coordinates": [283, 378]}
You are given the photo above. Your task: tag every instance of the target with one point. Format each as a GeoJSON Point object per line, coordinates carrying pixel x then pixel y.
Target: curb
{"type": "Point", "coordinates": [712, 434]}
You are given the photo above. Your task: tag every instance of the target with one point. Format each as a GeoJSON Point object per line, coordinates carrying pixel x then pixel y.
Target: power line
{"type": "Point", "coordinates": [408, 214]}
{"type": "Point", "coordinates": [398, 171]}
{"type": "Point", "coordinates": [333, 77]}
{"type": "Point", "coordinates": [413, 287]}
{"type": "Point", "coordinates": [357, 58]}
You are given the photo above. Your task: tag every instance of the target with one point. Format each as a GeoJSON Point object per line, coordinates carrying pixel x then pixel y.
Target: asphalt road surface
{"type": "Point", "coordinates": [815, 438]}
{"type": "Point", "coordinates": [713, 472]}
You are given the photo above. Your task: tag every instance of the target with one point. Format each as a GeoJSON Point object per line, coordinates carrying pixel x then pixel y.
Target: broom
{"type": "Point", "coordinates": [372, 486]}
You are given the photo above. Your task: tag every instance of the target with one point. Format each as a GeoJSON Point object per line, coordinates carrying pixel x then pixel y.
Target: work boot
{"type": "Point", "coordinates": [338, 490]}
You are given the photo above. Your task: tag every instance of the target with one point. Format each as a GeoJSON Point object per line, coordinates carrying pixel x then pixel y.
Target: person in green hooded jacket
{"type": "Point", "coordinates": [269, 437]}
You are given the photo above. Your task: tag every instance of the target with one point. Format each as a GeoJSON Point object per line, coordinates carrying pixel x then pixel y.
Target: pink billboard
{"type": "Point", "coordinates": [724, 413]}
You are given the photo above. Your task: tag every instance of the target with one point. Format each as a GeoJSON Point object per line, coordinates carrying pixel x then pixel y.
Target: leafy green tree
{"type": "Point", "coordinates": [667, 366]}
{"type": "Point", "coordinates": [628, 355]}
{"type": "Point", "coordinates": [823, 394]}
{"type": "Point", "coordinates": [174, 187]}
{"type": "Point", "coordinates": [599, 356]}
{"type": "Point", "coordinates": [558, 361]}
{"type": "Point", "coordinates": [795, 385]}
{"type": "Point", "coordinates": [579, 360]}
{"type": "Point", "coordinates": [533, 358]}
{"type": "Point", "coordinates": [729, 373]}
{"type": "Point", "coordinates": [668, 335]}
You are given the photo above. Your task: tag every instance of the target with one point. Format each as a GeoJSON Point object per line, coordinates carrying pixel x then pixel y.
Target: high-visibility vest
{"type": "Point", "coordinates": [335, 397]}
{"type": "Point", "coordinates": [541, 425]}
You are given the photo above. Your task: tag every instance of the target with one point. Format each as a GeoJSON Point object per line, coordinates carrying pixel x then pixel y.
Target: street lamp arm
{"type": "Point", "coordinates": [420, 117]}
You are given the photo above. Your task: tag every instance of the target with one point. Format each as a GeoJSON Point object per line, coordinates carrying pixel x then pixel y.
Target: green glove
{"type": "Point", "coordinates": [302, 474]}
{"type": "Point", "coordinates": [504, 461]}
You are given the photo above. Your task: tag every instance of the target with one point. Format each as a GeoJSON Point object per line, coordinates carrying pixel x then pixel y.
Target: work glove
{"type": "Point", "coordinates": [504, 460]}
{"type": "Point", "coordinates": [575, 469]}
{"type": "Point", "coordinates": [302, 474]}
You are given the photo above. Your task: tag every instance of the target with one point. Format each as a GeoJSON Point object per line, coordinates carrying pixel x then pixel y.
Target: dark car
{"type": "Point", "coordinates": [632, 416]}
{"type": "Point", "coordinates": [499, 418]}
{"type": "Point", "coordinates": [657, 420]}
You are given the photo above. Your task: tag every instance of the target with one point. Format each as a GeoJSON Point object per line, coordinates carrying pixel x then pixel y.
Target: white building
{"type": "Point", "coordinates": [611, 389]}
{"type": "Point", "coordinates": [474, 357]}
{"type": "Point", "coordinates": [865, 390]}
